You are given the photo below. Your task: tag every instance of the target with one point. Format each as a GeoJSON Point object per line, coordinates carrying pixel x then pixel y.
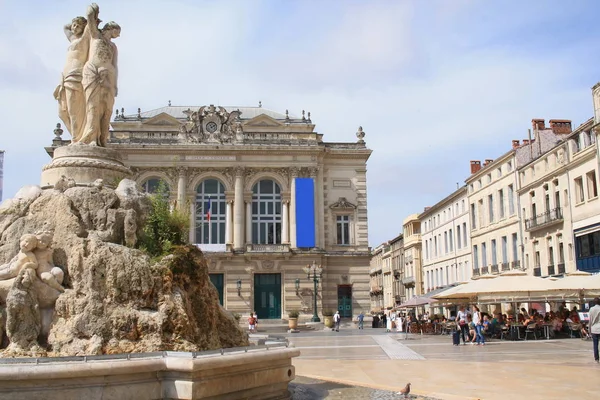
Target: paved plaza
{"type": "Point", "coordinates": [372, 358]}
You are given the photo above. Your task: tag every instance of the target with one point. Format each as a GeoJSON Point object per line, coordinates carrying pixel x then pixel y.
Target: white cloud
{"type": "Point", "coordinates": [433, 86]}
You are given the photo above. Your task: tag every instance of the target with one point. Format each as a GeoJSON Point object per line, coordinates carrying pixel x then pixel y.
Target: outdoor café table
{"type": "Point", "coordinates": [547, 330]}
{"type": "Point", "coordinates": [517, 328]}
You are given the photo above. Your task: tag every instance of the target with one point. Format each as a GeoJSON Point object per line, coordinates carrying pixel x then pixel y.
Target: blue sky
{"type": "Point", "coordinates": [433, 83]}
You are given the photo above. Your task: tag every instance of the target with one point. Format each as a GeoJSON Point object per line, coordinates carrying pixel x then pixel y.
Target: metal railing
{"type": "Point", "coordinates": [495, 269]}
{"type": "Point", "coordinates": [485, 270]}
{"type": "Point", "coordinates": [551, 270]}
{"type": "Point", "coordinates": [476, 272]}
{"type": "Point", "coordinates": [561, 268]}
{"type": "Point", "coordinates": [544, 219]}
{"type": "Point", "coordinates": [537, 271]}
{"type": "Point", "coordinates": [505, 266]}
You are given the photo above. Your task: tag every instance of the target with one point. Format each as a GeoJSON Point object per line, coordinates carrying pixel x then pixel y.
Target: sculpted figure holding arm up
{"type": "Point", "coordinates": [69, 93]}
{"type": "Point", "coordinates": [99, 79]}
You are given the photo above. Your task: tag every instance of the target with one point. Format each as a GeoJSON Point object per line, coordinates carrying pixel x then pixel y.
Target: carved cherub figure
{"type": "Point", "coordinates": [50, 274]}
{"type": "Point", "coordinates": [24, 259]}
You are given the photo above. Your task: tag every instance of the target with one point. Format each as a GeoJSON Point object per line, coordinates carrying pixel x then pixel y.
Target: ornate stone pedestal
{"type": "Point", "coordinates": [84, 164]}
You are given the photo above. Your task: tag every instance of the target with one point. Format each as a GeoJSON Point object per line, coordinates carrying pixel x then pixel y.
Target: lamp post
{"type": "Point", "coordinates": [314, 272]}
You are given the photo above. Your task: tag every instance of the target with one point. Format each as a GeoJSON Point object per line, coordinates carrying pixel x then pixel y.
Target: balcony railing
{"type": "Point", "coordinates": [408, 281]}
{"type": "Point", "coordinates": [537, 271]}
{"type": "Point", "coordinates": [476, 272]}
{"type": "Point", "coordinates": [551, 270]}
{"type": "Point", "coordinates": [544, 219]}
{"type": "Point", "coordinates": [515, 264]}
{"type": "Point", "coordinates": [485, 270]}
{"type": "Point", "coordinates": [495, 269]}
{"type": "Point", "coordinates": [561, 268]}
{"type": "Point", "coordinates": [505, 266]}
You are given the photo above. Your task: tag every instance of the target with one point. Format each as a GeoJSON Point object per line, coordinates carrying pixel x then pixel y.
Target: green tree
{"type": "Point", "coordinates": [165, 227]}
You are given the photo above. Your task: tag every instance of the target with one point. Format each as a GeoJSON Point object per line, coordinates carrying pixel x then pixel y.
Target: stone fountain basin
{"type": "Point", "coordinates": [257, 372]}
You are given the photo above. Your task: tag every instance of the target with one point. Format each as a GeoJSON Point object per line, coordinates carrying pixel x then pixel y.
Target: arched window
{"type": "Point", "coordinates": [210, 229]}
{"type": "Point", "coordinates": [266, 213]}
{"type": "Point", "coordinates": [151, 185]}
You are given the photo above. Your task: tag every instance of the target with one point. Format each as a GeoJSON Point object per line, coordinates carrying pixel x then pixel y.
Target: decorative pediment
{"type": "Point", "coordinates": [342, 204]}
{"type": "Point", "coordinates": [263, 120]}
{"type": "Point", "coordinates": [212, 124]}
{"type": "Point", "coordinates": [163, 119]}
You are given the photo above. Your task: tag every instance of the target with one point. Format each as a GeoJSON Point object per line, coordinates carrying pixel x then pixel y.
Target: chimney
{"type": "Point", "coordinates": [475, 166]}
{"type": "Point", "coordinates": [560, 126]}
{"type": "Point", "coordinates": [426, 208]}
{"type": "Point", "coordinates": [515, 144]}
{"type": "Point", "coordinates": [538, 124]}
{"type": "Point", "coordinates": [525, 142]}
{"type": "Point", "coordinates": [487, 162]}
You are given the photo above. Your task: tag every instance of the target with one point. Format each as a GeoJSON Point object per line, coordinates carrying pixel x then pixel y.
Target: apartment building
{"type": "Point", "coordinates": [376, 278]}
{"type": "Point", "coordinates": [495, 199]}
{"type": "Point", "coordinates": [397, 250]}
{"type": "Point", "coordinates": [446, 241]}
{"type": "Point", "coordinates": [544, 198]}
{"type": "Point", "coordinates": [494, 215]}
{"type": "Point", "coordinates": [413, 272]}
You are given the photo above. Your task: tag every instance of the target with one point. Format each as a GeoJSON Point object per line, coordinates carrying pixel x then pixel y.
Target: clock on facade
{"type": "Point", "coordinates": [211, 127]}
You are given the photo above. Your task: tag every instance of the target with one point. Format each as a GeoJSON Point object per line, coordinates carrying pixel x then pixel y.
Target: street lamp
{"type": "Point", "coordinates": [314, 272]}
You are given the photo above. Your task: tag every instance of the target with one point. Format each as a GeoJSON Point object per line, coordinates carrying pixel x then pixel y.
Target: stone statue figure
{"type": "Point", "coordinates": [24, 259]}
{"type": "Point", "coordinates": [69, 93]}
{"type": "Point", "coordinates": [99, 79]}
{"type": "Point", "coordinates": [50, 274]}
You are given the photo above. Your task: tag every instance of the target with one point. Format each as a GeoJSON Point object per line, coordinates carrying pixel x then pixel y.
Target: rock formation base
{"type": "Point", "coordinates": [116, 299]}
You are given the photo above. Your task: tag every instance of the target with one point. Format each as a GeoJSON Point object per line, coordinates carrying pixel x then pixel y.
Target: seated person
{"type": "Point", "coordinates": [488, 328]}
{"type": "Point", "coordinates": [471, 325]}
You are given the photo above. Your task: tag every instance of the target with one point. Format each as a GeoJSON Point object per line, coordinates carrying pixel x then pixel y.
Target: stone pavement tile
{"type": "Point", "coordinates": [304, 388]}
{"type": "Point", "coordinates": [462, 379]}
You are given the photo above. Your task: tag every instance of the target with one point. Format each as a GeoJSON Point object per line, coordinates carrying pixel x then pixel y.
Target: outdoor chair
{"type": "Point", "coordinates": [574, 328]}
{"type": "Point", "coordinates": [504, 332]}
{"type": "Point", "coordinates": [531, 329]}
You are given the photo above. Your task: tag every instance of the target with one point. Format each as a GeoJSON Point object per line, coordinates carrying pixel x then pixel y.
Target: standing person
{"type": "Point", "coordinates": [461, 321]}
{"type": "Point", "coordinates": [595, 326]}
{"type": "Point", "coordinates": [388, 323]}
{"type": "Point", "coordinates": [361, 318]}
{"type": "Point", "coordinates": [477, 320]}
{"type": "Point", "coordinates": [336, 320]}
{"type": "Point", "coordinates": [252, 323]}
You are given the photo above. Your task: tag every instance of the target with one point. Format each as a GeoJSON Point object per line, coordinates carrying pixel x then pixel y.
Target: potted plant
{"type": "Point", "coordinates": [328, 318]}
{"type": "Point", "coordinates": [293, 319]}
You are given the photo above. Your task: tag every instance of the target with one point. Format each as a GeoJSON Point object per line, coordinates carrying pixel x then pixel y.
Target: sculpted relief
{"type": "Point", "coordinates": [87, 91]}
{"type": "Point", "coordinates": [212, 124]}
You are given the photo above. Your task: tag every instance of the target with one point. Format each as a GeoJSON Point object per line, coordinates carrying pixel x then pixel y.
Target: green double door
{"type": "Point", "coordinates": [218, 282]}
{"type": "Point", "coordinates": [345, 301]}
{"type": "Point", "coordinates": [267, 296]}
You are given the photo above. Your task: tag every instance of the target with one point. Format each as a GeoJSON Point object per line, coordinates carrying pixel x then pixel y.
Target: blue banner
{"type": "Point", "coordinates": [305, 212]}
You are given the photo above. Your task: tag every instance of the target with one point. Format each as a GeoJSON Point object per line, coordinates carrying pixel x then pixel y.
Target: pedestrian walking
{"type": "Point", "coordinates": [477, 320]}
{"type": "Point", "coordinates": [252, 323]}
{"type": "Point", "coordinates": [336, 320]}
{"type": "Point", "coordinates": [388, 323]}
{"type": "Point", "coordinates": [361, 318]}
{"type": "Point", "coordinates": [461, 321]}
{"type": "Point", "coordinates": [595, 326]}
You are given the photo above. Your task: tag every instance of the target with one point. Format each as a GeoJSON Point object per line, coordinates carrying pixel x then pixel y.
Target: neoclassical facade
{"type": "Point", "coordinates": [266, 197]}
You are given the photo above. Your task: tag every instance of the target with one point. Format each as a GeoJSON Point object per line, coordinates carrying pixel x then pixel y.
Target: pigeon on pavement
{"type": "Point", "coordinates": [405, 391]}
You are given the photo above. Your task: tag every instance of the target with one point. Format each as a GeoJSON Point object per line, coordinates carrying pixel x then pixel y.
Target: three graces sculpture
{"type": "Point", "coordinates": [88, 88]}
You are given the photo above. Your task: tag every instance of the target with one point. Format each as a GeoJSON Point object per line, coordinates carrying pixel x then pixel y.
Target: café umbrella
{"type": "Point", "coordinates": [417, 301]}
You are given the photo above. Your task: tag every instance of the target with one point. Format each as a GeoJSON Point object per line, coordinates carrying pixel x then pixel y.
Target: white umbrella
{"type": "Point", "coordinates": [417, 302]}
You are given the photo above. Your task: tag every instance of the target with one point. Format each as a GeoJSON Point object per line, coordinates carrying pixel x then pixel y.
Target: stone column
{"type": "Point", "coordinates": [192, 235]}
{"type": "Point", "coordinates": [181, 187]}
{"type": "Point", "coordinates": [249, 221]}
{"type": "Point", "coordinates": [285, 239]}
{"type": "Point", "coordinates": [238, 211]}
{"type": "Point", "coordinates": [228, 222]}
{"type": "Point", "coordinates": [294, 174]}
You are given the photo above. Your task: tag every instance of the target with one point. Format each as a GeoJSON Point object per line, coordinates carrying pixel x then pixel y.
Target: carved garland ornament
{"type": "Point", "coordinates": [87, 164]}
